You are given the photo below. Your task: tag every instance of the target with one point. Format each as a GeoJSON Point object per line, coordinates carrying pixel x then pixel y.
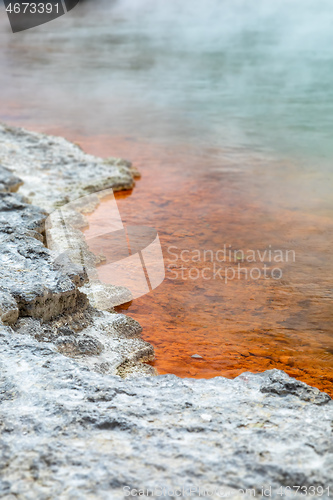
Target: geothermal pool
{"type": "Point", "coordinates": [226, 109]}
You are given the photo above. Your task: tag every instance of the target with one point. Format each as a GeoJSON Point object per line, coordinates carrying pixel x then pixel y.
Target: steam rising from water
{"type": "Point", "coordinates": [194, 77]}
{"type": "Point", "coordinates": [218, 72]}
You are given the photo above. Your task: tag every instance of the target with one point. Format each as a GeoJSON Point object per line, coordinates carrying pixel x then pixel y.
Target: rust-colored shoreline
{"type": "Point", "coordinates": [204, 202]}
{"type": "Point", "coordinates": [244, 325]}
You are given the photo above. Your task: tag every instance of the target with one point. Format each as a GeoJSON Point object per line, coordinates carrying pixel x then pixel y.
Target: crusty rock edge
{"type": "Point", "coordinates": [39, 295]}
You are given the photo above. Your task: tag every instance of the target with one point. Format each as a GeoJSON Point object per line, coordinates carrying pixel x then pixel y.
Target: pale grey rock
{"type": "Point", "coordinates": [20, 216]}
{"type": "Point", "coordinates": [64, 237]}
{"type": "Point", "coordinates": [40, 287]}
{"type": "Point", "coordinates": [102, 341]}
{"type": "Point", "coordinates": [70, 433]}
{"type": "Point", "coordinates": [283, 387]}
{"type": "Point", "coordinates": [8, 181]}
{"type": "Point", "coordinates": [56, 171]}
{"type": "Point", "coordinates": [71, 427]}
{"type": "Point", "coordinates": [104, 296]}
{"type": "Point", "coordinates": [9, 311]}
{"type": "Point", "coordinates": [28, 274]}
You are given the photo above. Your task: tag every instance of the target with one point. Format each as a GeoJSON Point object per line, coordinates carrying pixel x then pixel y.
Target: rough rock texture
{"type": "Point", "coordinates": [39, 293]}
{"type": "Point", "coordinates": [64, 237]}
{"type": "Point", "coordinates": [9, 311]}
{"type": "Point", "coordinates": [28, 275]}
{"type": "Point", "coordinates": [55, 171]}
{"type": "Point", "coordinates": [9, 182]}
{"type": "Point", "coordinates": [33, 285]}
{"type": "Point", "coordinates": [27, 271]}
{"type": "Point", "coordinates": [73, 428]}
{"type": "Point", "coordinates": [104, 342]}
{"type": "Point", "coordinates": [102, 295]}
{"type": "Point", "coordinates": [70, 433]}
{"type": "Point", "coordinates": [21, 217]}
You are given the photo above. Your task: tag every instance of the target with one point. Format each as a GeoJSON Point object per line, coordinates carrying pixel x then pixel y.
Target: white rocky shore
{"type": "Point", "coordinates": [82, 417]}
{"type": "Point", "coordinates": [46, 299]}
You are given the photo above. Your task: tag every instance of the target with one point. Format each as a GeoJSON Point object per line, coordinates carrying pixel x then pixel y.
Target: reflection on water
{"type": "Point", "coordinates": [226, 108]}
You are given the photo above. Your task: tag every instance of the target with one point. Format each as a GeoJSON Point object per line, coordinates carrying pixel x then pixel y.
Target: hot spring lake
{"type": "Point", "coordinates": [226, 109]}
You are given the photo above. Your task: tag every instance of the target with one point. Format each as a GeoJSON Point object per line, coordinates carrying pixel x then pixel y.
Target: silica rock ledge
{"type": "Point", "coordinates": [38, 295]}
{"type": "Point", "coordinates": [70, 433]}
{"type": "Point", "coordinates": [71, 427]}
{"type": "Point", "coordinates": [55, 171]}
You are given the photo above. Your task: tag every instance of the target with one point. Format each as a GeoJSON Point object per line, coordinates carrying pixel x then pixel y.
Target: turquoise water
{"type": "Point", "coordinates": [204, 72]}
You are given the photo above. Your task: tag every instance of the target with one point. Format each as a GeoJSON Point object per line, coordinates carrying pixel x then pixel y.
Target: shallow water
{"type": "Point", "coordinates": [226, 110]}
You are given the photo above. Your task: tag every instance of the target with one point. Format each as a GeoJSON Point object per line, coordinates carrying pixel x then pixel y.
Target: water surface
{"type": "Point", "coordinates": [226, 108]}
